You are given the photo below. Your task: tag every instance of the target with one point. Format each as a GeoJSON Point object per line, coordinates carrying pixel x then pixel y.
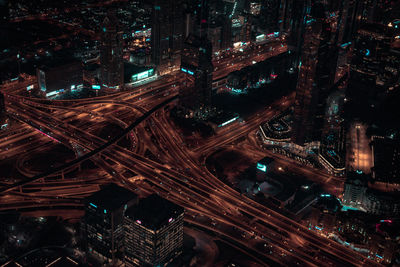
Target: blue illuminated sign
{"type": "Point", "coordinates": [367, 52]}
{"type": "Point", "coordinates": [345, 44]}
{"type": "Point", "coordinates": [105, 211]}
{"type": "Point", "coordinates": [229, 121]}
{"type": "Point", "coordinates": [91, 204]}
{"type": "Point", "coordinates": [262, 167]}
{"type": "Point", "coordinates": [187, 71]}
{"type": "Point", "coordinates": [96, 87]}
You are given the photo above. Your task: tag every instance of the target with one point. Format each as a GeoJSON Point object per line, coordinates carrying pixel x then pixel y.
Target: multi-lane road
{"type": "Point", "coordinates": [174, 171]}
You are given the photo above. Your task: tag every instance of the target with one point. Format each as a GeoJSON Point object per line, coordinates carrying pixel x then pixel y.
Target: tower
{"type": "Point", "coordinates": [102, 225]}
{"type": "Point", "coordinates": [153, 232]}
{"type": "Point", "coordinates": [315, 78]}
{"type": "Point", "coordinates": [167, 34]}
{"type": "Point", "coordinates": [196, 63]}
{"type": "Point", "coordinates": [269, 15]}
{"type": "Point", "coordinates": [111, 52]}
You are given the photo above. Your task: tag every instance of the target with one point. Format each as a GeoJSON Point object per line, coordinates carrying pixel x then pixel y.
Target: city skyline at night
{"type": "Point", "coordinates": [199, 133]}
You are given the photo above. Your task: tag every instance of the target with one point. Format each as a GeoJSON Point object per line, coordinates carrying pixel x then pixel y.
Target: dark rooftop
{"type": "Point", "coordinates": [111, 197]}
{"type": "Point", "coordinates": [154, 211]}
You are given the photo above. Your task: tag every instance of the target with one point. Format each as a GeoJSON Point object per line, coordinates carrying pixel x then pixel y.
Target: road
{"type": "Point", "coordinates": [177, 174]}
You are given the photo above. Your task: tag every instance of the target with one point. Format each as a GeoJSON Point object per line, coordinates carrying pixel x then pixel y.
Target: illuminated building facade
{"type": "Point", "coordinates": [153, 232]}
{"type": "Point", "coordinates": [58, 77]}
{"type": "Point", "coordinates": [358, 194]}
{"type": "Point", "coordinates": [196, 63]}
{"type": "Point", "coordinates": [102, 225]}
{"type": "Point", "coordinates": [354, 189]}
{"type": "Point", "coordinates": [332, 154]}
{"type": "Point", "coordinates": [111, 52]}
{"type": "Point", "coordinates": [315, 77]}
{"type": "Point", "coordinates": [167, 34]}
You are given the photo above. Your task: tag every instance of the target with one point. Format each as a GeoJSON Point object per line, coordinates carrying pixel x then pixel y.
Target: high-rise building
{"type": "Point", "coordinates": [153, 232]}
{"type": "Point", "coordinates": [195, 97]}
{"type": "Point", "coordinates": [167, 34]}
{"type": "Point", "coordinates": [269, 15]}
{"type": "Point", "coordinates": [196, 62]}
{"type": "Point", "coordinates": [226, 32]}
{"type": "Point", "coordinates": [367, 83]}
{"type": "Point", "coordinates": [355, 13]}
{"type": "Point", "coordinates": [315, 79]}
{"type": "Point", "coordinates": [386, 157]}
{"type": "Point", "coordinates": [102, 225]}
{"type": "Point", "coordinates": [111, 52]}
{"type": "Point", "coordinates": [332, 147]}
{"type": "Point", "coordinates": [293, 21]}
{"type": "Point", "coordinates": [59, 76]}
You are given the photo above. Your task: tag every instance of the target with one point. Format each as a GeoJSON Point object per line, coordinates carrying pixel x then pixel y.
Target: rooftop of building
{"type": "Point", "coordinates": [59, 59]}
{"type": "Point", "coordinates": [111, 197]}
{"type": "Point", "coordinates": [154, 211]}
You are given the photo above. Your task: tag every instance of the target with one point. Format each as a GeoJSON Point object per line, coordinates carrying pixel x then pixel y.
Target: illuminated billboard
{"type": "Point", "coordinates": [142, 75]}
{"type": "Point", "coordinates": [96, 87]}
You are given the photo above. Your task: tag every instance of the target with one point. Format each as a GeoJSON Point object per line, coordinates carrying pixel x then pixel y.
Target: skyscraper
{"type": "Point", "coordinates": [269, 15]}
{"type": "Point", "coordinates": [294, 20]}
{"type": "Point", "coordinates": [153, 232]}
{"type": "Point", "coordinates": [167, 34]}
{"type": "Point", "coordinates": [111, 52]}
{"type": "Point", "coordinates": [102, 226]}
{"type": "Point", "coordinates": [370, 63]}
{"type": "Point", "coordinates": [196, 62]}
{"type": "Point", "coordinates": [353, 14]}
{"type": "Point", "coordinates": [386, 160]}
{"type": "Point", "coordinates": [316, 75]}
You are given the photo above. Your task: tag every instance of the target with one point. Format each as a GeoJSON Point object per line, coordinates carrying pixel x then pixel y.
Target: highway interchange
{"type": "Point", "coordinates": [175, 171]}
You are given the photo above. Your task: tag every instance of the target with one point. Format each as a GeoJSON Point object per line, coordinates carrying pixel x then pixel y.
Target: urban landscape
{"type": "Point", "coordinates": [227, 133]}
